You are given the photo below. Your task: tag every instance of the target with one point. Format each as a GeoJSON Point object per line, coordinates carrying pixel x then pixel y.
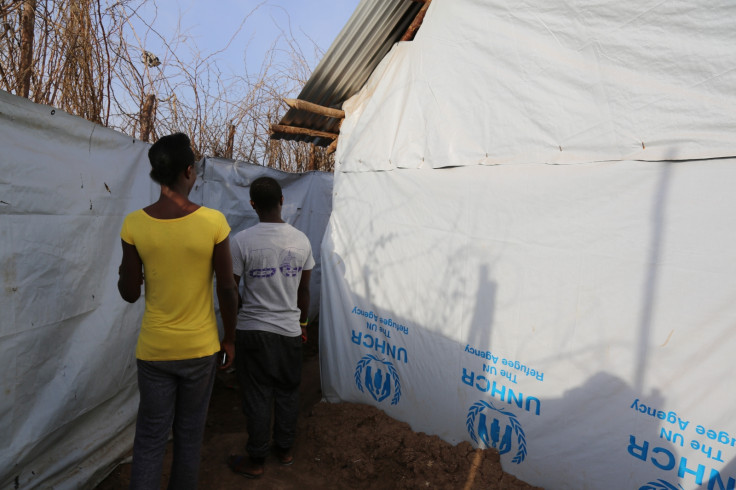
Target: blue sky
{"type": "Point", "coordinates": [209, 26]}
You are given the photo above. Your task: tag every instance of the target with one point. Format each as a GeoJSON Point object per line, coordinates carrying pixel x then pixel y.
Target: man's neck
{"type": "Point", "coordinates": [271, 218]}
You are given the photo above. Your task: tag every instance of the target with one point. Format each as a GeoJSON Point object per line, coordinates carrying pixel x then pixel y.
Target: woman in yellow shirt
{"type": "Point", "coordinates": [176, 245]}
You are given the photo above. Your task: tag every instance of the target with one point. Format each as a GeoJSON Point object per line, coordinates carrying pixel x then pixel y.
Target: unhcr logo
{"type": "Point", "coordinates": [490, 427]}
{"type": "Point", "coordinates": [288, 265]}
{"type": "Point", "coordinates": [380, 379]}
{"type": "Point", "coordinates": [660, 485]}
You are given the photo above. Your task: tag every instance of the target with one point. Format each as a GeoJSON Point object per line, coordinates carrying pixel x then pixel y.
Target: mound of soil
{"type": "Point", "coordinates": [362, 447]}
{"type": "Point", "coordinates": [341, 446]}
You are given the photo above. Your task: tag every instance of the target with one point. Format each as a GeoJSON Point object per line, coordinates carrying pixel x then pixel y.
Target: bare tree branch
{"type": "Point", "coordinates": [87, 57]}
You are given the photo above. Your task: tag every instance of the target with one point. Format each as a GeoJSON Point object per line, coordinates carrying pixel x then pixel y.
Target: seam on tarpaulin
{"type": "Point", "coordinates": [480, 164]}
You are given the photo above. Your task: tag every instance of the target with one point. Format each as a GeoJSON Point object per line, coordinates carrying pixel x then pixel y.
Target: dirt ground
{"type": "Point", "coordinates": [340, 446]}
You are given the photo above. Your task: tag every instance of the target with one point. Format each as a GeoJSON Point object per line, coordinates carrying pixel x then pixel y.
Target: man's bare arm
{"type": "Point", "coordinates": [302, 302]}
{"type": "Point", "coordinates": [302, 296]}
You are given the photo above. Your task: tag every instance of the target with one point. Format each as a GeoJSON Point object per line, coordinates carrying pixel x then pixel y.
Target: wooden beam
{"type": "Point", "coordinates": [416, 23]}
{"type": "Point", "coordinates": [315, 108]}
{"type": "Point", "coordinates": [279, 128]}
{"type": "Point", "coordinates": [332, 147]}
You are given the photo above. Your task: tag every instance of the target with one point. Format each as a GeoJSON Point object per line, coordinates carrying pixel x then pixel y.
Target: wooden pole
{"type": "Point", "coordinates": [147, 117]}
{"type": "Point", "coordinates": [230, 141]}
{"type": "Point", "coordinates": [331, 149]}
{"type": "Point", "coordinates": [315, 108]}
{"type": "Point", "coordinates": [312, 157]}
{"type": "Point", "coordinates": [28, 19]}
{"type": "Point", "coordinates": [272, 153]}
{"type": "Point", "coordinates": [279, 128]}
{"type": "Point", "coordinates": [416, 23]}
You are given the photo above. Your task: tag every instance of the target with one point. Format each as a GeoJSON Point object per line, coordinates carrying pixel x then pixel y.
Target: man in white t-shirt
{"type": "Point", "coordinates": [275, 261]}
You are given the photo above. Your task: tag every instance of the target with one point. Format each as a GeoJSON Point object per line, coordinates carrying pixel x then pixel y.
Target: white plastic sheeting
{"type": "Point", "coordinates": [225, 185]}
{"type": "Point", "coordinates": [580, 318]}
{"type": "Point", "coordinates": [67, 340]}
{"type": "Point", "coordinates": [534, 81]}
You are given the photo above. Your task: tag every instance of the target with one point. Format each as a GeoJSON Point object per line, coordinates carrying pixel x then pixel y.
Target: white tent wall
{"type": "Point", "coordinates": [532, 244]}
{"type": "Point", "coordinates": [487, 82]}
{"type": "Point", "coordinates": [608, 287]}
{"type": "Point", "coordinates": [67, 339]}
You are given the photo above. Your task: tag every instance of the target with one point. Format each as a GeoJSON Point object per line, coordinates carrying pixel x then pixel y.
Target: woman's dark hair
{"type": "Point", "coordinates": [169, 157]}
{"type": "Point", "coordinates": [265, 193]}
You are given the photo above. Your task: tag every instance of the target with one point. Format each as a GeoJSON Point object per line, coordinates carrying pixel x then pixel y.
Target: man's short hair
{"type": "Point", "coordinates": [169, 157]}
{"type": "Point", "coordinates": [265, 193]}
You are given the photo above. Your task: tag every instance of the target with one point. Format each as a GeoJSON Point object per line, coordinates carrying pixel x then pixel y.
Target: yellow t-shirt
{"type": "Point", "coordinates": [179, 320]}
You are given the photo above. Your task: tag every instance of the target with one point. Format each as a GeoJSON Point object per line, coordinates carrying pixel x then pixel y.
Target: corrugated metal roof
{"type": "Point", "coordinates": [369, 34]}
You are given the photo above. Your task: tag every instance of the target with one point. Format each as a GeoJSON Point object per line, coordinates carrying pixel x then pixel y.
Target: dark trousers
{"type": "Point", "coordinates": [174, 394]}
{"type": "Point", "coordinates": [269, 370]}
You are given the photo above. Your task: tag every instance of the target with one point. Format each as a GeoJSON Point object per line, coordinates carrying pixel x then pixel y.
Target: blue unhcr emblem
{"type": "Point", "coordinates": [288, 265]}
{"type": "Point", "coordinates": [660, 484]}
{"type": "Point", "coordinates": [494, 431]}
{"type": "Point", "coordinates": [378, 382]}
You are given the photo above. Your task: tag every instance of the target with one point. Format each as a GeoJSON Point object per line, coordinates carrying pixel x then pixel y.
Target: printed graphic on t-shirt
{"type": "Point", "coordinates": [264, 263]}
{"type": "Point", "coordinates": [289, 263]}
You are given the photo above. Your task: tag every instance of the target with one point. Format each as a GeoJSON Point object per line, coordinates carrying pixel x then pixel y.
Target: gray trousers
{"type": "Point", "coordinates": [174, 394]}
{"type": "Point", "coordinates": [269, 370]}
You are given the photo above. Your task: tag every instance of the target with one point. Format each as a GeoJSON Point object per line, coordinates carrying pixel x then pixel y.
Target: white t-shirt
{"type": "Point", "coordinates": [270, 258]}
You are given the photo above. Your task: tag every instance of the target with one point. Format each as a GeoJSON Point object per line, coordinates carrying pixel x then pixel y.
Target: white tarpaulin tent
{"type": "Point", "coordinates": [533, 239]}
{"type": "Point", "coordinates": [67, 340]}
